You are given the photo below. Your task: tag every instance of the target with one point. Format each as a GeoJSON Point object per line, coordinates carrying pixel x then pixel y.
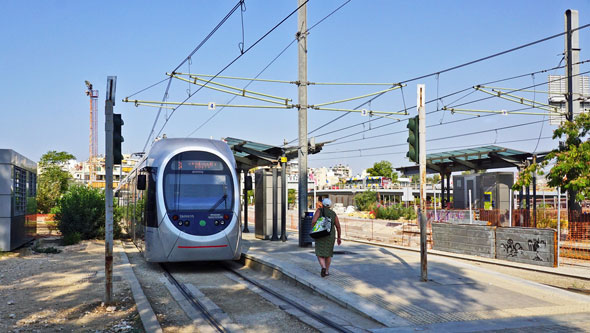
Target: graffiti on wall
{"type": "Point", "coordinates": [448, 216]}
{"type": "Point", "coordinates": [513, 249]}
{"type": "Point", "coordinates": [537, 245]}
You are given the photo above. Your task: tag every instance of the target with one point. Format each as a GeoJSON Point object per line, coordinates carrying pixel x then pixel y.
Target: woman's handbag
{"type": "Point", "coordinates": [322, 227]}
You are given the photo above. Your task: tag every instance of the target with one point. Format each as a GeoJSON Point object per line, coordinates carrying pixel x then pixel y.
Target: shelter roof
{"type": "Point", "coordinates": [249, 154]}
{"type": "Point", "coordinates": [478, 158]}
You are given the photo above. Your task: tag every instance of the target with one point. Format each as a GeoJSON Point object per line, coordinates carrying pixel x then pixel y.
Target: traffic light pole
{"type": "Point", "coordinates": [421, 98]}
{"type": "Point", "coordinates": [108, 237]}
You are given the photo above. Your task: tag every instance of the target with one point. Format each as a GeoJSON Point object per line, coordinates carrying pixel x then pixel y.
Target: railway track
{"type": "Point", "coordinates": [194, 301]}
{"type": "Point", "coordinates": [217, 316]}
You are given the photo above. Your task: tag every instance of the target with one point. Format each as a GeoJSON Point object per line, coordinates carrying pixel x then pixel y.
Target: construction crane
{"type": "Point", "coordinates": [93, 138]}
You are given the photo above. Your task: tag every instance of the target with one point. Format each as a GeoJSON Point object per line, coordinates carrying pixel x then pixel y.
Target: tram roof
{"type": "Point", "coordinates": [250, 154]}
{"type": "Point", "coordinates": [478, 158]}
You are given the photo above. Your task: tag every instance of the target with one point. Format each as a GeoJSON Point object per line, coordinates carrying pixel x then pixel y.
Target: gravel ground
{"type": "Point", "coordinates": [64, 291]}
{"type": "Point", "coordinates": [170, 315]}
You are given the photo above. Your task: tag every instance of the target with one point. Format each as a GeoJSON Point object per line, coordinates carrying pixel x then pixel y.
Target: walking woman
{"type": "Point", "coordinates": [324, 247]}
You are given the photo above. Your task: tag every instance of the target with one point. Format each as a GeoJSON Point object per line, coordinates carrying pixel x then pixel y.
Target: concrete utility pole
{"type": "Point", "coordinates": [421, 100]}
{"type": "Point", "coordinates": [246, 188]}
{"type": "Point", "coordinates": [284, 199]}
{"type": "Point", "coordinates": [108, 237]}
{"type": "Point", "coordinates": [302, 152]}
{"type": "Point", "coordinates": [572, 72]}
{"type": "Point", "coordinates": [572, 68]}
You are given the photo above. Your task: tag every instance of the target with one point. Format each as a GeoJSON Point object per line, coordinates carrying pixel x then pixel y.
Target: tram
{"type": "Point", "coordinates": [181, 202]}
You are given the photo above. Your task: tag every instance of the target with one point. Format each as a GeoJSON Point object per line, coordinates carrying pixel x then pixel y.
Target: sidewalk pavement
{"type": "Point", "coordinates": [384, 284]}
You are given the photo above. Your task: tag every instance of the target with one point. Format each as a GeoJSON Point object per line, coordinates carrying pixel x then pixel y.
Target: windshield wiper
{"type": "Point", "coordinates": [222, 199]}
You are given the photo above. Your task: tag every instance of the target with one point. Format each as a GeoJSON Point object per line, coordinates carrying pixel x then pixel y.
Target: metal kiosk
{"type": "Point", "coordinates": [18, 205]}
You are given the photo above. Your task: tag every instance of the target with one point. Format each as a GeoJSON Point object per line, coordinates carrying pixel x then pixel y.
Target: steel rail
{"type": "Point", "coordinates": [298, 306]}
{"type": "Point", "coordinates": [193, 301]}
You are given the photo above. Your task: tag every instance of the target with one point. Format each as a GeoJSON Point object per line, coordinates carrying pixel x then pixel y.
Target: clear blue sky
{"type": "Point", "coordinates": [50, 47]}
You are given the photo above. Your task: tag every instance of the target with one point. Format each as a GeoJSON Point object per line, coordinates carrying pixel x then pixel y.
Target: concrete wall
{"type": "Point", "coordinates": [527, 245]}
{"type": "Point", "coordinates": [464, 239]}
{"type": "Point", "coordinates": [524, 245]}
{"type": "Point", "coordinates": [449, 216]}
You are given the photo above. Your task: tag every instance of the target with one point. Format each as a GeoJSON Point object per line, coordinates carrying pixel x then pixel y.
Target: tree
{"type": "Point", "coordinates": [55, 158]}
{"type": "Point", "coordinates": [571, 169]}
{"type": "Point", "coordinates": [291, 196]}
{"type": "Point", "coordinates": [436, 179]}
{"type": "Point", "coordinates": [394, 177]}
{"type": "Point", "coordinates": [53, 181]}
{"type": "Point", "coordinates": [383, 169]}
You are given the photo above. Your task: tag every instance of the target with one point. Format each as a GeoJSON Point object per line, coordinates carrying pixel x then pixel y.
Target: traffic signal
{"type": "Point", "coordinates": [117, 138]}
{"type": "Point", "coordinates": [413, 139]}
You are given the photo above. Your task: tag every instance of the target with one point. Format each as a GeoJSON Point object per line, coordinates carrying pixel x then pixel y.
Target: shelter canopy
{"type": "Point", "coordinates": [479, 158]}
{"type": "Point", "coordinates": [249, 154]}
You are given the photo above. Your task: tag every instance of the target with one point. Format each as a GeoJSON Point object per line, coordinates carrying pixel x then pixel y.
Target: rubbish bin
{"type": "Point", "coordinates": [305, 239]}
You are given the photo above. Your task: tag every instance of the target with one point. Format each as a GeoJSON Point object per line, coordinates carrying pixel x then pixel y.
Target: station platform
{"type": "Point", "coordinates": [384, 284]}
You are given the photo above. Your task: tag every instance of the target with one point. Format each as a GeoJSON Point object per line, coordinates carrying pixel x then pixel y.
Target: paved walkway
{"type": "Point", "coordinates": [384, 283]}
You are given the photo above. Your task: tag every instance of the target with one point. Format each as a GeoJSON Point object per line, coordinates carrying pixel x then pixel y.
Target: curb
{"type": "Point", "coordinates": [475, 259]}
{"type": "Point", "coordinates": [144, 308]}
{"type": "Point", "coordinates": [351, 301]}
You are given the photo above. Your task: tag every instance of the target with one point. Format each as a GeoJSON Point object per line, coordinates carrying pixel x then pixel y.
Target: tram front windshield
{"type": "Point", "coordinates": [197, 181]}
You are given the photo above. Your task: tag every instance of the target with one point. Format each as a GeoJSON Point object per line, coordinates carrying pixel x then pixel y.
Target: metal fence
{"type": "Point", "coordinates": [574, 227]}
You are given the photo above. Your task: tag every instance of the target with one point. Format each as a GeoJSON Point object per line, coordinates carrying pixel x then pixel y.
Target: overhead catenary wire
{"type": "Point", "coordinates": [211, 33]}
{"type": "Point", "coordinates": [246, 86]}
{"type": "Point", "coordinates": [413, 107]}
{"type": "Point", "coordinates": [337, 141]}
{"type": "Point", "coordinates": [463, 65]}
{"type": "Point", "coordinates": [434, 150]}
{"type": "Point", "coordinates": [231, 63]}
{"type": "Point", "coordinates": [436, 139]}
{"type": "Point", "coordinates": [517, 90]}
{"type": "Point", "coordinates": [268, 65]}
{"type": "Point", "coordinates": [149, 87]}
{"type": "Point", "coordinates": [448, 95]}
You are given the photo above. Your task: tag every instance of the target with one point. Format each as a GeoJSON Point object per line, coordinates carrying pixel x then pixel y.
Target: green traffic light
{"type": "Point", "coordinates": [413, 139]}
{"type": "Point", "coordinates": [117, 138]}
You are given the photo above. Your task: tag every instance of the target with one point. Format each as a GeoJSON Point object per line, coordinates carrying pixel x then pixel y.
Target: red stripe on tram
{"type": "Point", "coordinates": [200, 247]}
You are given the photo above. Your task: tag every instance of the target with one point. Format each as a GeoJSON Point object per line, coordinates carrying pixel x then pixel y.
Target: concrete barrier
{"type": "Point", "coordinates": [476, 240]}
{"type": "Point", "coordinates": [527, 245]}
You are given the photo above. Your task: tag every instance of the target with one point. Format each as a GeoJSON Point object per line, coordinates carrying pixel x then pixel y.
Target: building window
{"type": "Point", "coordinates": [20, 191]}
{"type": "Point", "coordinates": [32, 184]}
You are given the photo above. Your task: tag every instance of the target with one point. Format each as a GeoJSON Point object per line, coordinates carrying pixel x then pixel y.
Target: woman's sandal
{"type": "Point", "coordinates": [323, 272]}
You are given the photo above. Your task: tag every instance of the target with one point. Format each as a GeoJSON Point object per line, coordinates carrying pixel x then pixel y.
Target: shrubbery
{"type": "Point", "coordinates": [81, 215]}
{"type": "Point", "coordinates": [365, 200]}
{"type": "Point", "coordinates": [394, 212]}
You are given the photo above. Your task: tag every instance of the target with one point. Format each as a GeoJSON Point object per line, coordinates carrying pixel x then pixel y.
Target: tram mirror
{"type": "Point", "coordinates": [141, 180]}
{"type": "Point", "coordinates": [248, 182]}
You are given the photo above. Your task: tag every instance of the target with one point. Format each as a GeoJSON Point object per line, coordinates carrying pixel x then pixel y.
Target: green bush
{"type": "Point", "coordinates": [409, 213]}
{"type": "Point", "coordinates": [365, 200]}
{"type": "Point", "coordinates": [394, 212]}
{"type": "Point", "coordinates": [82, 210]}
{"type": "Point", "coordinates": [388, 213]}
{"type": "Point", "coordinates": [71, 239]}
